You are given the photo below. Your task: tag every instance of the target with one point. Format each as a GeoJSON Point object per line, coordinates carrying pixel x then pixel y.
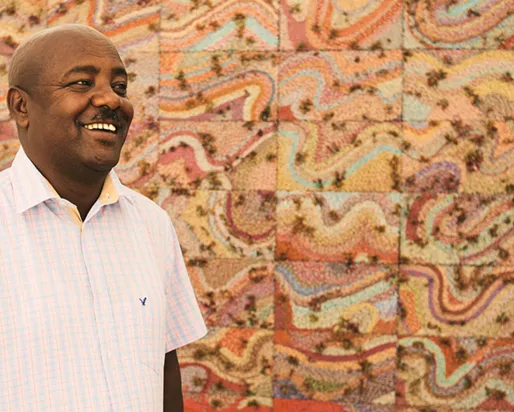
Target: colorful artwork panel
{"type": "Point", "coordinates": [219, 25]}
{"type": "Point", "coordinates": [344, 85]}
{"type": "Point", "coordinates": [459, 25]}
{"type": "Point", "coordinates": [456, 300]}
{"type": "Point", "coordinates": [219, 86]}
{"type": "Point", "coordinates": [327, 25]}
{"type": "Point", "coordinates": [459, 373]}
{"type": "Point", "coordinates": [459, 156]}
{"type": "Point", "coordinates": [334, 367]}
{"type": "Point", "coordinates": [468, 229]}
{"type": "Point", "coordinates": [228, 362]}
{"type": "Point", "coordinates": [234, 292]}
{"type": "Point", "coordinates": [129, 23]}
{"type": "Point", "coordinates": [337, 227]}
{"type": "Point", "coordinates": [458, 85]}
{"type": "Point", "coordinates": [218, 155]}
{"type": "Point", "coordinates": [220, 224]}
{"type": "Point", "coordinates": [344, 156]}
{"type": "Point", "coordinates": [321, 296]}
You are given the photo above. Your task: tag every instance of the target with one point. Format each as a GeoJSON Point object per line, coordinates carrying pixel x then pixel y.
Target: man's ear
{"type": "Point", "coordinates": [17, 103]}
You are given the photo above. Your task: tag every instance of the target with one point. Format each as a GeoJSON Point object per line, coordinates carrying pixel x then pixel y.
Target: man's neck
{"type": "Point", "coordinates": [82, 194]}
{"type": "Point", "coordinates": [82, 197]}
{"type": "Point", "coordinates": [80, 186]}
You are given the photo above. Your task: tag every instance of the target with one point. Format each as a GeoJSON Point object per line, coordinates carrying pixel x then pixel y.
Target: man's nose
{"type": "Point", "coordinates": [106, 96]}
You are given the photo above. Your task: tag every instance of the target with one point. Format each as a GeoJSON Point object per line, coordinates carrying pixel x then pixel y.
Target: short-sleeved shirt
{"type": "Point", "coordinates": [88, 309]}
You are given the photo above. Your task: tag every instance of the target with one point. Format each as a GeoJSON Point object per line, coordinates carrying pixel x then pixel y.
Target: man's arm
{"type": "Point", "coordinates": [172, 384]}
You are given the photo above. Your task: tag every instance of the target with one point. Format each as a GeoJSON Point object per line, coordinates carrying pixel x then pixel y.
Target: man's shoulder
{"type": "Point", "coordinates": [148, 206]}
{"type": "Point", "coordinates": [150, 215]}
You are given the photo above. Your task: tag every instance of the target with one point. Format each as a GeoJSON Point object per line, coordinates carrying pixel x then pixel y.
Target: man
{"type": "Point", "coordinates": [94, 293]}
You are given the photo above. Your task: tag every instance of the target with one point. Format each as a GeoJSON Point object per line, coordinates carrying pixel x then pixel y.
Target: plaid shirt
{"type": "Point", "coordinates": [87, 309]}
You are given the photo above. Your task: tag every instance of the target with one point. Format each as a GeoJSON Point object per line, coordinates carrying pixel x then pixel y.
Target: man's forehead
{"type": "Point", "coordinates": [46, 55]}
{"type": "Point", "coordinates": [68, 55]}
{"type": "Point", "coordinates": [93, 68]}
{"type": "Point", "coordinates": [78, 46]}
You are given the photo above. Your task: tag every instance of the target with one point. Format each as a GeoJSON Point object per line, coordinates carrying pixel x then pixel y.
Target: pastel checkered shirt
{"type": "Point", "coordinates": [87, 309]}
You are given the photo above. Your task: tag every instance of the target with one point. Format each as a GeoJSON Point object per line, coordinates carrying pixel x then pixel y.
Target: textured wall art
{"type": "Point", "coordinates": [341, 177]}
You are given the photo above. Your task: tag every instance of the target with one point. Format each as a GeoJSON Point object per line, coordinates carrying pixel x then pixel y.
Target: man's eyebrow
{"type": "Point", "coordinates": [90, 69]}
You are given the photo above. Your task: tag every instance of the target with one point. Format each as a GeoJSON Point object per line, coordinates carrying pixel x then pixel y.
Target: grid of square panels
{"type": "Point", "coordinates": [341, 178]}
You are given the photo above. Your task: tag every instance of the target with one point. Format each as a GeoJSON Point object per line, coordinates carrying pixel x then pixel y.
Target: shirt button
{"type": "Point", "coordinates": [108, 196]}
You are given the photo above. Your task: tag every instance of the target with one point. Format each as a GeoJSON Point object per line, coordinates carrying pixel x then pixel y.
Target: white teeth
{"type": "Point", "coordinates": [100, 126]}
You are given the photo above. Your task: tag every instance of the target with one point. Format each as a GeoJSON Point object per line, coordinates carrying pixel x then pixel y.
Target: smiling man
{"type": "Point", "coordinates": [94, 293]}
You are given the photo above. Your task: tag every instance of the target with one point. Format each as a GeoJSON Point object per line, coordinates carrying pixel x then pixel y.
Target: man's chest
{"type": "Point", "coordinates": [99, 289]}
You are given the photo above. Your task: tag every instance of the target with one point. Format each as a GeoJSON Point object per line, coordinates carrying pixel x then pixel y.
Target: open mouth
{"type": "Point", "coordinates": [106, 134]}
{"type": "Point", "coordinates": [101, 127]}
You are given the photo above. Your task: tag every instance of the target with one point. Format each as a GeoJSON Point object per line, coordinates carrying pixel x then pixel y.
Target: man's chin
{"type": "Point", "coordinates": [103, 164]}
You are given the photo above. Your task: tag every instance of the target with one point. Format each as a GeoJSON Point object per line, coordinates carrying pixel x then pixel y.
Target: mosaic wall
{"type": "Point", "coordinates": [340, 174]}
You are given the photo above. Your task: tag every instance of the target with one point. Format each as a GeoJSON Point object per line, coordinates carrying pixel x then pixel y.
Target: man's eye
{"type": "Point", "coordinates": [121, 89]}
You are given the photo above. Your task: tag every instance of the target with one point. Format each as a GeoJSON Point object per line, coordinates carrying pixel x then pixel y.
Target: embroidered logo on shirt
{"type": "Point", "coordinates": [143, 301]}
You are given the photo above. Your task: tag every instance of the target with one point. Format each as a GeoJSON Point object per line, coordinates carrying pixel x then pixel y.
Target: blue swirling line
{"type": "Point", "coordinates": [352, 169]}
{"type": "Point", "coordinates": [319, 90]}
{"type": "Point", "coordinates": [212, 38]}
{"type": "Point", "coordinates": [306, 290]}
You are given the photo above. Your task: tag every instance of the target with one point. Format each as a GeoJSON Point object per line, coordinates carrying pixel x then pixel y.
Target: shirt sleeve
{"type": "Point", "coordinates": [184, 321]}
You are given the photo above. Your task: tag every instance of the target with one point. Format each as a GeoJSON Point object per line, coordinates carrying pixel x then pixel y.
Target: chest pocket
{"type": "Point", "coordinates": [146, 327]}
{"type": "Point", "coordinates": [134, 278]}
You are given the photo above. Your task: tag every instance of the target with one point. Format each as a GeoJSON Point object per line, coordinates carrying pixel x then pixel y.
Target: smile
{"type": "Point", "coordinates": [101, 126]}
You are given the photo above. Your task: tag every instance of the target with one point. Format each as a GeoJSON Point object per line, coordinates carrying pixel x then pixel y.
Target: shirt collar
{"type": "Point", "coordinates": [31, 188]}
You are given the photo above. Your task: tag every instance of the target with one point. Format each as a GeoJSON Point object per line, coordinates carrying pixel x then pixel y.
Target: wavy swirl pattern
{"type": "Point", "coordinates": [214, 26]}
{"type": "Point", "coordinates": [230, 86]}
{"type": "Point", "coordinates": [361, 155]}
{"type": "Point", "coordinates": [451, 300]}
{"type": "Point", "coordinates": [312, 85]}
{"type": "Point", "coordinates": [218, 155]}
{"type": "Point", "coordinates": [316, 295]}
{"type": "Point", "coordinates": [360, 226]}
{"type": "Point", "coordinates": [241, 359]}
{"type": "Point", "coordinates": [235, 293]}
{"type": "Point", "coordinates": [473, 86]}
{"type": "Point", "coordinates": [128, 24]}
{"type": "Point", "coordinates": [468, 157]}
{"type": "Point", "coordinates": [214, 224]}
{"type": "Point", "coordinates": [458, 229]}
{"type": "Point", "coordinates": [461, 372]}
{"type": "Point", "coordinates": [484, 24]}
{"type": "Point", "coordinates": [324, 24]}
{"type": "Point", "coordinates": [364, 375]}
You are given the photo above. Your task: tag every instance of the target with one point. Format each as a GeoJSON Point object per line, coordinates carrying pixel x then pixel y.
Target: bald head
{"type": "Point", "coordinates": [31, 59]}
{"type": "Point", "coordinates": [60, 81]}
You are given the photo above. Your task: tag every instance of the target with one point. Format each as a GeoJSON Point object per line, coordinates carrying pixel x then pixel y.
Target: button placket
{"type": "Point", "coordinates": [103, 314]}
